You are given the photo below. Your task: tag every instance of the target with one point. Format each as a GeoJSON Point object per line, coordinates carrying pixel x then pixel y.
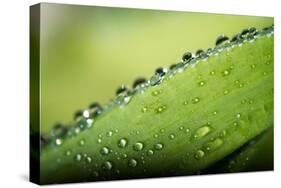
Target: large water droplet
{"type": "Point", "coordinates": [104, 151]}
{"type": "Point", "coordinates": [122, 143]}
{"type": "Point", "coordinates": [213, 145]}
{"type": "Point", "coordinates": [201, 132]}
{"type": "Point", "coordinates": [221, 40]}
{"type": "Point", "coordinates": [95, 109]}
{"type": "Point", "coordinates": [138, 146]}
{"type": "Point", "coordinates": [158, 146]}
{"type": "Point", "coordinates": [132, 163]}
{"type": "Point", "coordinates": [139, 82]}
{"type": "Point", "coordinates": [187, 56]}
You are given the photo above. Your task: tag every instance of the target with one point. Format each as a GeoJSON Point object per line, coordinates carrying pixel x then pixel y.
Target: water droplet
{"type": "Point", "coordinates": [187, 130]}
{"type": "Point", "coordinates": [78, 115]}
{"type": "Point", "coordinates": [122, 142]}
{"type": "Point", "coordinates": [124, 155]}
{"type": "Point", "coordinates": [132, 163]}
{"type": "Point", "coordinates": [213, 145]}
{"type": "Point", "coordinates": [215, 113]}
{"type": "Point", "coordinates": [156, 92]}
{"type": "Point", "coordinates": [158, 146]}
{"type": "Point", "coordinates": [201, 132]}
{"type": "Point", "coordinates": [144, 109]}
{"type": "Point", "coordinates": [172, 136]}
{"type": "Point", "coordinates": [107, 165]}
{"type": "Point", "coordinates": [95, 109]}
{"type": "Point", "coordinates": [161, 71]}
{"type": "Point", "coordinates": [82, 142]}
{"type": "Point", "coordinates": [195, 100]}
{"type": "Point", "coordinates": [86, 114]}
{"type": "Point", "coordinates": [78, 157]}
{"type": "Point", "coordinates": [212, 73]}
{"type": "Point", "coordinates": [160, 109]}
{"type": "Point", "coordinates": [88, 159]}
{"type": "Point", "coordinates": [138, 146]}
{"type": "Point", "coordinates": [198, 52]}
{"type": "Point", "coordinates": [253, 66]}
{"type": "Point", "coordinates": [139, 82]}
{"type": "Point", "coordinates": [201, 83]}
{"type": "Point", "coordinates": [187, 56]}
{"type": "Point", "coordinates": [68, 153]}
{"type": "Point", "coordinates": [199, 154]}
{"type": "Point", "coordinates": [59, 130]}
{"type": "Point", "coordinates": [162, 130]}
{"type": "Point", "coordinates": [58, 141]}
{"type": "Point", "coordinates": [109, 133]}
{"type": "Point", "coordinates": [104, 151]}
{"type": "Point", "coordinates": [238, 115]}
{"type": "Point", "coordinates": [226, 72]}
{"type": "Point", "coordinates": [185, 103]}
{"type": "Point", "coordinates": [122, 89]}
{"type": "Point", "coordinates": [155, 135]}
{"type": "Point", "coordinates": [99, 140]}
{"type": "Point", "coordinates": [221, 40]}
{"type": "Point", "coordinates": [150, 152]}
{"type": "Point", "coordinates": [181, 128]}
{"type": "Point", "coordinates": [226, 92]}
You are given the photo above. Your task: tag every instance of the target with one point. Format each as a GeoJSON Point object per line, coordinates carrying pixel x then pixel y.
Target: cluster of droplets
{"type": "Point", "coordinates": [85, 119]}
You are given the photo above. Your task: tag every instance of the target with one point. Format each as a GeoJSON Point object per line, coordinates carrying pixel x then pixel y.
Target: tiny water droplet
{"type": "Point", "coordinates": [215, 113]}
{"type": "Point", "coordinates": [156, 92]}
{"type": "Point", "coordinates": [88, 159]}
{"type": "Point", "coordinates": [201, 132]}
{"type": "Point", "coordinates": [107, 165]}
{"type": "Point", "coordinates": [58, 141]}
{"type": "Point", "coordinates": [78, 157]}
{"type": "Point", "coordinates": [226, 92]}
{"type": "Point", "coordinates": [185, 103]}
{"type": "Point", "coordinates": [201, 83]}
{"type": "Point", "coordinates": [150, 152]}
{"type": "Point", "coordinates": [226, 72]}
{"type": "Point", "coordinates": [212, 73]}
{"type": "Point", "coordinates": [138, 146]}
{"type": "Point", "coordinates": [199, 154]}
{"type": "Point", "coordinates": [68, 153]}
{"type": "Point", "coordinates": [195, 100]}
{"type": "Point", "coordinates": [124, 155]}
{"type": "Point", "coordinates": [187, 130]}
{"type": "Point", "coordinates": [132, 163]}
{"type": "Point", "coordinates": [95, 109]}
{"type": "Point", "coordinates": [253, 66]}
{"type": "Point", "coordinates": [155, 135]}
{"type": "Point", "coordinates": [99, 140]}
{"type": "Point", "coordinates": [158, 146]}
{"type": "Point", "coordinates": [122, 142]}
{"type": "Point", "coordinates": [181, 128]}
{"type": "Point", "coordinates": [144, 109]}
{"type": "Point", "coordinates": [238, 115]}
{"type": "Point", "coordinates": [82, 142]}
{"type": "Point", "coordinates": [172, 136]}
{"type": "Point", "coordinates": [104, 151]}
{"type": "Point", "coordinates": [109, 133]}
{"type": "Point", "coordinates": [160, 109]}
{"type": "Point", "coordinates": [162, 130]}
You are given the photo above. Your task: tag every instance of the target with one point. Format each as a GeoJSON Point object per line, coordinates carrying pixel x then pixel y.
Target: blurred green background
{"type": "Point", "coordinates": [87, 51]}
